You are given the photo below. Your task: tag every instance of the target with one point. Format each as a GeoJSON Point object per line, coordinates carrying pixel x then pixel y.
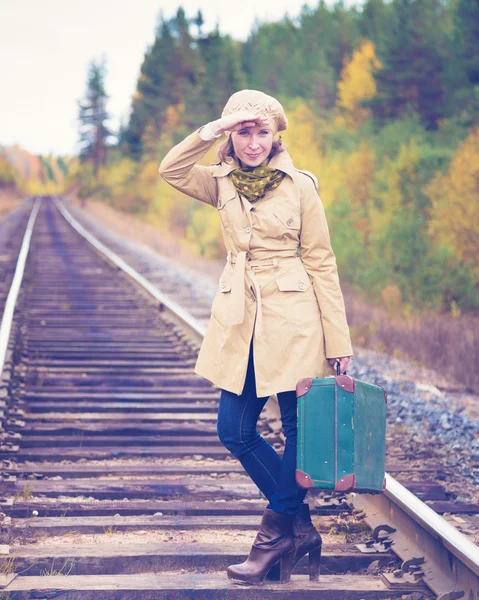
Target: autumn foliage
{"type": "Point", "coordinates": [382, 107]}
{"type": "Point", "coordinates": [357, 83]}
{"type": "Point", "coordinates": [454, 199]}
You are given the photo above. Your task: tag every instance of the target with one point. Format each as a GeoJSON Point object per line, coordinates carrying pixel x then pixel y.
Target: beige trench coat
{"type": "Point", "coordinates": [279, 287]}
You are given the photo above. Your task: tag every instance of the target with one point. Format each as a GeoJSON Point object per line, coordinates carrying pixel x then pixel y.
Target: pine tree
{"type": "Point", "coordinates": [199, 22]}
{"type": "Point", "coordinates": [325, 38]}
{"type": "Point", "coordinates": [271, 60]}
{"type": "Point", "coordinates": [169, 75]}
{"type": "Point", "coordinates": [185, 64]}
{"type": "Point", "coordinates": [411, 78]}
{"type": "Point", "coordinates": [374, 23]}
{"type": "Point", "coordinates": [153, 93]}
{"type": "Point", "coordinates": [93, 117]}
{"type": "Point", "coordinates": [323, 83]}
{"type": "Point", "coordinates": [467, 38]}
{"type": "Point", "coordinates": [463, 63]}
{"type": "Point", "coordinates": [221, 76]}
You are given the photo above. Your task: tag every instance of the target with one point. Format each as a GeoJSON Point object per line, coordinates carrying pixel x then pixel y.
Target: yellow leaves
{"type": "Point", "coordinates": [36, 187]}
{"type": "Point", "coordinates": [205, 231]}
{"type": "Point", "coordinates": [172, 117]}
{"type": "Point", "coordinates": [157, 137]}
{"type": "Point", "coordinates": [148, 177]}
{"type": "Point", "coordinates": [302, 137]}
{"type": "Point", "coordinates": [7, 174]}
{"type": "Point", "coordinates": [351, 174]}
{"type": "Point", "coordinates": [360, 167]}
{"type": "Point", "coordinates": [149, 140]}
{"type": "Point", "coordinates": [454, 310]}
{"type": "Point", "coordinates": [118, 176]}
{"type": "Point", "coordinates": [455, 206]}
{"type": "Point", "coordinates": [333, 180]}
{"type": "Point", "coordinates": [196, 225]}
{"type": "Point", "coordinates": [357, 83]}
{"type": "Point", "coordinates": [170, 208]}
{"type": "Point", "coordinates": [32, 175]}
{"type": "Point", "coordinates": [390, 178]}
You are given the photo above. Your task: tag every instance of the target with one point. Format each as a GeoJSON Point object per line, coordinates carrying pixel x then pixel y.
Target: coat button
{"type": "Point", "coordinates": [223, 284]}
{"type": "Point", "coordinates": [247, 229]}
{"type": "Point", "coordinates": [289, 222]}
{"type": "Point", "coordinates": [301, 285]}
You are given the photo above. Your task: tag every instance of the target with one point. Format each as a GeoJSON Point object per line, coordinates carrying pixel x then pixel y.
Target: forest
{"type": "Point", "coordinates": [383, 105]}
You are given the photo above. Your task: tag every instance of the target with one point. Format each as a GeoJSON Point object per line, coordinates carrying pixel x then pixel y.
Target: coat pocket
{"type": "Point", "coordinates": [287, 217]}
{"type": "Point", "coordinates": [293, 282]}
{"type": "Point", "coordinates": [220, 305]}
{"type": "Point", "coordinates": [227, 211]}
{"type": "Point", "coordinates": [225, 285]}
{"type": "Point", "coordinates": [295, 302]}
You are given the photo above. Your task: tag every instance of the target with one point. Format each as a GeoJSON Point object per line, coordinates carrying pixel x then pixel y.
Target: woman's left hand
{"type": "Point", "coordinates": [343, 362]}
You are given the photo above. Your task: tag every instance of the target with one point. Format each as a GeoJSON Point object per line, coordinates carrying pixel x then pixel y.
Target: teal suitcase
{"type": "Point", "coordinates": [341, 434]}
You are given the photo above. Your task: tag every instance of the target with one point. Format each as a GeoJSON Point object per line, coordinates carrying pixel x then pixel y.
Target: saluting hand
{"type": "Point", "coordinates": [238, 120]}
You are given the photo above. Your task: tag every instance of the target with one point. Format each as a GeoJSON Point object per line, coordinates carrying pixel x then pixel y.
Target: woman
{"type": "Point", "coordinates": [279, 295]}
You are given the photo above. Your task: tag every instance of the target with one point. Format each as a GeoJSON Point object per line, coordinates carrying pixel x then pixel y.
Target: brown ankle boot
{"type": "Point", "coordinates": [307, 540]}
{"type": "Point", "coordinates": [274, 543]}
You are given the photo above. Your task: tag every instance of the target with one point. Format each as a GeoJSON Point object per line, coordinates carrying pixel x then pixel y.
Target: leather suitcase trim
{"type": "Point", "coordinates": [303, 479]}
{"type": "Point", "coordinates": [385, 393]}
{"type": "Point", "coordinates": [346, 382]}
{"type": "Point", "coordinates": [303, 386]}
{"type": "Point", "coordinates": [345, 484]}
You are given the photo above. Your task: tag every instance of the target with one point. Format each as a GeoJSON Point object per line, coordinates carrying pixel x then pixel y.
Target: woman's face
{"type": "Point", "coordinates": [252, 145]}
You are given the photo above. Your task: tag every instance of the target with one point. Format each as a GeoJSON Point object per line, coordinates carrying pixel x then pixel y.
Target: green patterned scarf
{"type": "Point", "coordinates": [254, 182]}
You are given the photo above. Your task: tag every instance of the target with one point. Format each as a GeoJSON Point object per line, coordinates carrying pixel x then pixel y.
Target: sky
{"type": "Point", "coordinates": [46, 46]}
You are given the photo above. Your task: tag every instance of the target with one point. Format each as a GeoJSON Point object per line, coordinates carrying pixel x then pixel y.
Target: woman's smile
{"type": "Point", "coordinates": [252, 145]}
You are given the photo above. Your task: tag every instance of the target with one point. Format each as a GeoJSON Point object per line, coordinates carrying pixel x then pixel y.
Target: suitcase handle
{"type": "Point", "coordinates": [338, 369]}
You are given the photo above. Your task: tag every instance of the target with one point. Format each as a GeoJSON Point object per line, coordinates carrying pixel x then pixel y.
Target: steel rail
{"type": "Point", "coordinates": [193, 326]}
{"type": "Point", "coordinates": [454, 565]}
{"type": "Point", "coordinates": [430, 521]}
{"type": "Point", "coordinates": [451, 560]}
{"type": "Point", "coordinates": [9, 310]}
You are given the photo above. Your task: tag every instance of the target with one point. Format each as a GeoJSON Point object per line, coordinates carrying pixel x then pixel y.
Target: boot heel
{"type": "Point", "coordinates": [286, 566]}
{"type": "Point", "coordinates": [314, 561]}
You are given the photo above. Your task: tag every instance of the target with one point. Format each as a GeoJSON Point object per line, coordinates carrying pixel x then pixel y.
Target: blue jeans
{"type": "Point", "coordinates": [236, 426]}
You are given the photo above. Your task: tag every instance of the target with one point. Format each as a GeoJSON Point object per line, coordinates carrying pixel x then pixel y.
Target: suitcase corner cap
{"type": "Point", "coordinates": [303, 386]}
{"type": "Point", "coordinates": [303, 479]}
{"type": "Point", "coordinates": [346, 382]}
{"type": "Point", "coordinates": [346, 483]}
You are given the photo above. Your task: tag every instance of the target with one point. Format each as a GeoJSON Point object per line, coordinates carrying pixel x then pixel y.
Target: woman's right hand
{"type": "Point", "coordinates": [238, 120]}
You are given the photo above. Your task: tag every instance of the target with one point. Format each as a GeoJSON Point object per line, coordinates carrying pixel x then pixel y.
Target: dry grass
{"type": "Point", "coordinates": [9, 200]}
{"type": "Point", "coordinates": [161, 241]}
{"type": "Point", "coordinates": [447, 345]}
{"type": "Point", "coordinates": [65, 569]}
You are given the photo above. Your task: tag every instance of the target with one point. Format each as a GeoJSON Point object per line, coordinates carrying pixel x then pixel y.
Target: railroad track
{"type": "Point", "coordinates": [112, 468]}
{"type": "Point", "coordinates": [11, 236]}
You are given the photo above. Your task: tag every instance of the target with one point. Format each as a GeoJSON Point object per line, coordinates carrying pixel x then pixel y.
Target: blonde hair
{"type": "Point", "coordinates": [226, 151]}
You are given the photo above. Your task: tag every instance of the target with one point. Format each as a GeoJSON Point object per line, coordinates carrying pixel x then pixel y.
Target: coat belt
{"type": "Point", "coordinates": [243, 267]}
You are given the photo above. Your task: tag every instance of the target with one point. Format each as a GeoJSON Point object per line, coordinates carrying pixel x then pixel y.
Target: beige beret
{"type": "Point", "coordinates": [258, 103]}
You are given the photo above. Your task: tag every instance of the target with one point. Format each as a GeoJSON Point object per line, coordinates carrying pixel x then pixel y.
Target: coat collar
{"type": "Point", "coordinates": [281, 161]}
